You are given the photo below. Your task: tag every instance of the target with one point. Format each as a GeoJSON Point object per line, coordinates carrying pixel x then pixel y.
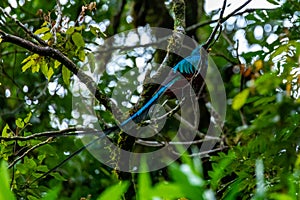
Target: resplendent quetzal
{"type": "Point", "coordinates": [187, 67]}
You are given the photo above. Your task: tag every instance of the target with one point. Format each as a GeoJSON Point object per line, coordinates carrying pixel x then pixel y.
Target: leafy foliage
{"type": "Point", "coordinates": [257, 52]}
{"type": "Point", "coordinates": [5, 191]}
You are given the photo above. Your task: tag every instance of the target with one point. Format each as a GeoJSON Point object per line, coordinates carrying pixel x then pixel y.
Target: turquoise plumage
{"type": "Point", "coordinates": [187, 65]}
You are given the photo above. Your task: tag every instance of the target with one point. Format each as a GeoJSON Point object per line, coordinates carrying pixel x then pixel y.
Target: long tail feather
{"type": "Point", "coordinates": [154, 98]}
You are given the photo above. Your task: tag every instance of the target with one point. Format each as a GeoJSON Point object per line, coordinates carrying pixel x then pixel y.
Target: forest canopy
{"type": "Point", "coordinates": [151, 99]}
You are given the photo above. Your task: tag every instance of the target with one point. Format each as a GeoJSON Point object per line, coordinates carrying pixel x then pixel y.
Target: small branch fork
{"type": "Point", "coordinates": [234, 13]}
{"type": "Point", "coordinates": [29, 150]}
{"type": "Point", "coordinates": [214, 32]}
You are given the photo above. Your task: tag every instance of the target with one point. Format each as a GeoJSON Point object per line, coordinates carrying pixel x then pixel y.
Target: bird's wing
{"type": "Point", "coordinates": [189, 65]}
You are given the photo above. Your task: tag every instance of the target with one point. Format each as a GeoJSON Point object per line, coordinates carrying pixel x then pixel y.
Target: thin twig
{"type": "Point", "coordinates": [42, 42]}
{"type": "Point", "coordinates": [65, 132]}
{"type": "Point", "coordinates": [150, 143]}
{"type": "Point", "coordinates": [211, 38]}
{"type": "Point", "coordinates": [223, 56]}
{"type": "Point", "coordinates": [29, 150]}
{"type": "Point", "coordinates": [217, 38]}
{"type": "Point", "coordinates": [236, 10]}
{"type": "Point", "coordinates": [168, 114]}
{"type": "Point", "coordinates": [186, 123]}
{"type": "Point", "coordinates": [202, 24]}
{"type": "Point", "coordinates": [203, 153]}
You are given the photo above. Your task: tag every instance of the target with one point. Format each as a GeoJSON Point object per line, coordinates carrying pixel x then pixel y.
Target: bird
{"type": "Point", "coordinates": [187, 66]}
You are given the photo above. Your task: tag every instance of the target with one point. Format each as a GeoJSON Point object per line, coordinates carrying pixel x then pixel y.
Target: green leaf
{"type": "Point", "coordinates": [91, 61]}
{"type": "Point", "coordinates": [0, 39]}
{"type": "Point", "coordinates": [94, 30]}
{"type": "Point", "coordinates": [22, 168]}
{"type": "Point", "coordinates": [42, 168]}
{"type": "Point", "coordinates": [274, 2]}
{"type": "Point", "coordinates": [36, 67]}
{"type": "Point", "coordinates": [66, 75]}
{"type": "Point", "coordinates": [28, 65]}
{"type": "Point", "coordinates": [267, 83]}
{"type": "Point", "coordinates": [235, 188]}
{"type": "Point", "coordinates": [77, 39]}
{"type": "Point", "coordinates": [279, 196]}
{"type": "Point", "coordinates": [42, 30]}
{"type": "Point", "coordinates": [70, 30]}
{"type": "Point", "coordinates": [20, 123]}
{"type": "Point", "coordinates": [219, 168]}
{"type": "Point", "coordinates": [114, 192]}
{"type": "Point", "coordinates": [56, 64]}
{"type": "Point", "coordinates": [26, 59]}
{"type": "Point", "coordinates": [45, 23]}
{"type": "Point", "coordinates": [52, 194]}
{"type": "Point", "coordinates": [5, 193]}
{"type": "Point", "coordinates": [47, 36]}
{"type": "Point", "coordinates": [50, 73]}
{"type": "Point", "coordinates": [6, 131]}
{"type": "Point", "coordinates": [279, 50]}
{"type": "Point", "coordinates": [44, 68]}
{"type": "Point", "coordinates": [41, 157]}
{"type": "Point", "coordinates": [32, 57]}
{"type": "Point", "coordinates": [26, 120]}
{"type": "Point", "coordinates": [81, 55]}
{"type": "Point", "coordinates": [22, 143]}
{"type": "Point", "coordinates": [30, 197]}
{"type": "Point", "coordinates": [144, 181]}
{"type": "Point", "coordinates": [79, 28]}
{"type": "Point", "coordinates": [174, 191]}
{"type": "Point", "coordinates": [240, 99]}
{"type": "Point", "coordinates": [191, 184]}
{"type": "Point", "coordinates": [57, 176]}
{"type": "Point", "coordinates": [30, 162]}
{"type": "Point", "coordinates": [263, 101]}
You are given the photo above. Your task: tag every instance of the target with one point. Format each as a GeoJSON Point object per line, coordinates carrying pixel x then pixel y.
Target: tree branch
{"type": "Point", "coordinates": [150, 143]}
{"type": "Point", "coordinates": [202, 24]}
{"type": "Point", "coordinates": [59, 56]}
{"type": "Point", "coordinates": [65, 132]}
{"type": "Point", "coordinates": [28, 151]}
{"type": "Point", "coordinates": [212, 35]}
